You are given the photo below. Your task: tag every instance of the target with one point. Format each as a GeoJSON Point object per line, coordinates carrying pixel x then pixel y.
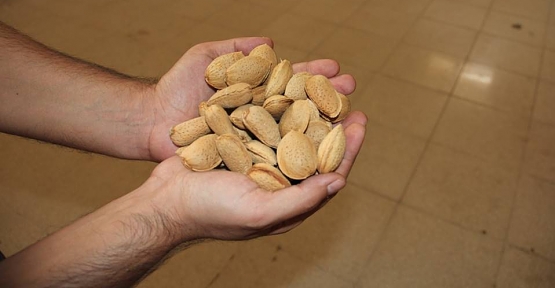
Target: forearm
{"type": "Point", "coordinates": [52, 97]}
{"type": "Point", "coordinates": [114, 246]}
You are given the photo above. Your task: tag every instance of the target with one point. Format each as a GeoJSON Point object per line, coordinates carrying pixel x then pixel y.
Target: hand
{"type": "Point", "coordinates": [180, 91]}
{"type": "Point", "coordinates": [227, 205]}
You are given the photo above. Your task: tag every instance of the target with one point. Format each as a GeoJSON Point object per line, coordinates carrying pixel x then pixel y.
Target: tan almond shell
{"type": "Point", "coordinates": [266, 52]}
{"type": "Point", "coordinates": [238, 114]}
{"type": "Point", "coordinates": [202, 108]}
{"type": "Point", "coordinates": [263, 126]}
{"type": "Point", "coordinates": [185, 133]}
{"type": "Point", "coordinates": [345, 108]}
{"type": "Point", "coordinates": [314, 112]}
{"type": "Point", "coordinates": [317, 131]}
{"type": "Point", "coordinates": [233, 96]}
{"type": "Point", "coordinates": [258, 95]}
{"type": "Point", "coordinates": [276, 105]}
{"type": "Point", "coordinates": [250, 69]}
{"type": "Point", "coordinates": [295, 88]}
{"type": "Point", "coordinates": [296, 117]}
{"type": "Point", "coordinates": [244, 135]}
{"type": "Point", "coordinates": [234, 153]}
{"type": "Point", "coordinates": [218, 120]}
{"type": "Point", "coordinates": [296, 155]}
{"type": "Point", "coordinates": [279, 78]}
{"type": "Point", "coordinates": [261, 153]}
{"type": "Point", "coordinates": [268, 177]}
{"type": "Point", "coordinates": [320, 90]}
{"type": "Point", "coordinates": [332, 150]}
{"type": "Point", "coordinates": [215, 74]}
{"type": "Point", "coordinates": [202, 154]}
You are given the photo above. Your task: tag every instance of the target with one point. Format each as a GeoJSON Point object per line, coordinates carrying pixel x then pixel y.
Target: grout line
{"type": "Point", "coordinates": [522, 173]}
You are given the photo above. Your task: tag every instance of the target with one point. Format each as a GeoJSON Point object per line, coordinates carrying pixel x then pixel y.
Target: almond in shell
{"type": "Point", "coordinates": [262, 125]}
{"type": "Point", "coordinates": [296, 155]}
{"type": "Point", "coordinates": [185, 133]}
{"type": "Point", "coordinates": [317, 131]}
{"type": "Point", "coordinates": [320, 90]}
{"type": "Point", "coordinates": [261, 153]}
{"type": "Point", "coordinates": [295, 88]}
{"type": "Point", "coordinates": [276, 105]}
{"type": "Point", "coordinates": [332, 150]}
{"type": "Point", "coordinates": [250, 69]}
{"type": "Point", "coordinates": [238, 114]}
{"type": "Point", "coordinates": [233, 96]}
{"type": "Point", "coordinates": [218, 120]}
{"type": "Point", "coordinates": [215, 74]}
{"type": "Point", "coordinates": [234, 153]}
{"type": "Point", "coordinates": [279, 78]}
{"type": "Point", "coordinates": [202, 154]}
{"type": "Point", "coordinates": [296, 117]}
{"type": "Point", "coordinates": [266, 52]}
{"type": "Point", "coordinates": [268, 177]}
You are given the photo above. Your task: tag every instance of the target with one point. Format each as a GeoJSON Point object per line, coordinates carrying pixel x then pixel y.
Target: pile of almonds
{"type": "Point", "coordinates": [264, 121]}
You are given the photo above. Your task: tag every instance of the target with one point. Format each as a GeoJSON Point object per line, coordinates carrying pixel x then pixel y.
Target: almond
{"type": "Point", "coordinates": [250, 69]}
{"type": "Point", "coordinates": [218, 120]}
{"type": "Point", "coordinates": [296, 117]}
{"type": "Point", "coordinates": [233, 153]}
{"type": "Point", "coordinates": [185, 133]}
{"type": "Point", "coordinates": [279, 78]}
{"type": "Point", "coordinates": [215, 74]}
{"type": "Point", "coordinates": [201, 155]}
{"type": "Point", "coordinates": [268, 177]}
{"type": "Point", "coordinates": [332, 150]}
{"type": "Point", "coordinates": [320, 90]}
{"type": "Point", "coordinates": [296, 155]}
{"type": "Point", "coordinates": [233, 96]}
{"type": "Point", "coordinates": [262, 125]}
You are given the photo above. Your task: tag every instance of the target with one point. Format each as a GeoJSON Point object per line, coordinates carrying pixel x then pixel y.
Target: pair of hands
{"type": "Point", "coordinates": [227, 205]}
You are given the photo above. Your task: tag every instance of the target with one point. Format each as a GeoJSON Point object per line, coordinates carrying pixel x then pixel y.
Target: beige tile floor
{"type": "Point", "coordinates": [455, 185]}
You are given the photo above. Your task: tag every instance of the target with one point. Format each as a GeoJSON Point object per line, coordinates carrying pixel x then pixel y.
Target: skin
{"type": "Point", "coordinates": [59, 99]}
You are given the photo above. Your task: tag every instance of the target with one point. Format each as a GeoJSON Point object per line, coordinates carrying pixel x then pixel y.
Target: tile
{"type": "Point", "coordinates": [340, 237]}
{"type": "Point", "coordinates": [516, 28]}
{"type": "Point", "coordinates": [370, 51]}
{"type": "Point", "coordinates": [283, 6]}
{"type": "Point", "coordinates": [533, 9]}
{"type": "Point", "coordinates": [496, 88]}
{"type": "Point", "coordinates": [548, 66]}
{"type": "Point", "coordinates": [240, 16]}
{"type": "Point", "coordinates": [456, 13]}
{"type": "Point", "coordinates": [419, 251]}
{"type": "Point", "coordinates": [363, 77]}
{"type": "Point", "coordinates": [404, 6]}
{"type": "Point", "coordinates": [506, 54]}
{"type": "Point", "coordinates": [491, 135]}
{"type": "Point", "coordinates": [479, 3]}
{"type": "Point", "coordinates": [550, 37]}
{"type": "Point", "coordinates": [545, 103]}
{"type": "Point", "coordinates": [532, 227]}
{"type": "Point", "coordinates": [463, 189]}
{"type": "Point", "coordinates": [291, 54]}
{"type": "Point", "coordinates": [298, 32]}
{"type": "Point", "coordinates": [65, 183]}
{"type": "Point", "coordinates": [386, 161]}
{"type": "Point", "coordinates": [441, 37]}
{"type": "Point", "coordinates": [540, 152]}
{"type": "Point", "coordinates": [402, 106]}
{"type": "Point", "coordinates": [421, 66]}
{"type": "Point", "coordinates": [326, 10]}
{"type": "Point", "coordinates": [194, 267]}
{"type": "Point", "coordinates": [381, 21]}
{"type": "Point", "coordinates": [523, 269]}
{"type": "Point", "coordinates": [260, 264]}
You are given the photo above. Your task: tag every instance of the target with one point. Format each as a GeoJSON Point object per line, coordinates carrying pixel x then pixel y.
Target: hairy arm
{"type": "Point", "coordinates": [114, 246]}
{"type": "Point", "coordinates": [52, 97]}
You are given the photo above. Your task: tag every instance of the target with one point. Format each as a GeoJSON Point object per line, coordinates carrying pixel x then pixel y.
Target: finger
{"type": "Point", "coordinates": [245, 44]}
{"type": "Point", "coordinates": [355, 129]}
{"type": "Point", "coordinates": [344, 84]}
{"type": "Point", "coordinates": [286, 204]}
{"type": "Point", "coordinates": [326, 67]}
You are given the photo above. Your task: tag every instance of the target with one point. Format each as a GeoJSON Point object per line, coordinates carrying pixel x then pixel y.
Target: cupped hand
{"type": "Point", "coordinates": [180, 91]}
{"type": "Point", "coordinates": [227, 205]}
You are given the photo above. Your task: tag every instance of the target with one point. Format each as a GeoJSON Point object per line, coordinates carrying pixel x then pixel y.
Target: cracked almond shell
{"type": "Point", "coordinates": [332, 150]}
{"type": "Point", "coordinates": [268, 177]}
{"type": "Point", "coordinates": [279, 78]}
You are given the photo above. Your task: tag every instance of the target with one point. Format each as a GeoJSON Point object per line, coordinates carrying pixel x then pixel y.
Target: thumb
{"type": "Point", "coordinates": [244, 44]}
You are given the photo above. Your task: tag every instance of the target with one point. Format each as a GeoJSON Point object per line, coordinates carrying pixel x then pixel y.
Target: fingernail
{"type": "Point", "coordinates": [335, 186]}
